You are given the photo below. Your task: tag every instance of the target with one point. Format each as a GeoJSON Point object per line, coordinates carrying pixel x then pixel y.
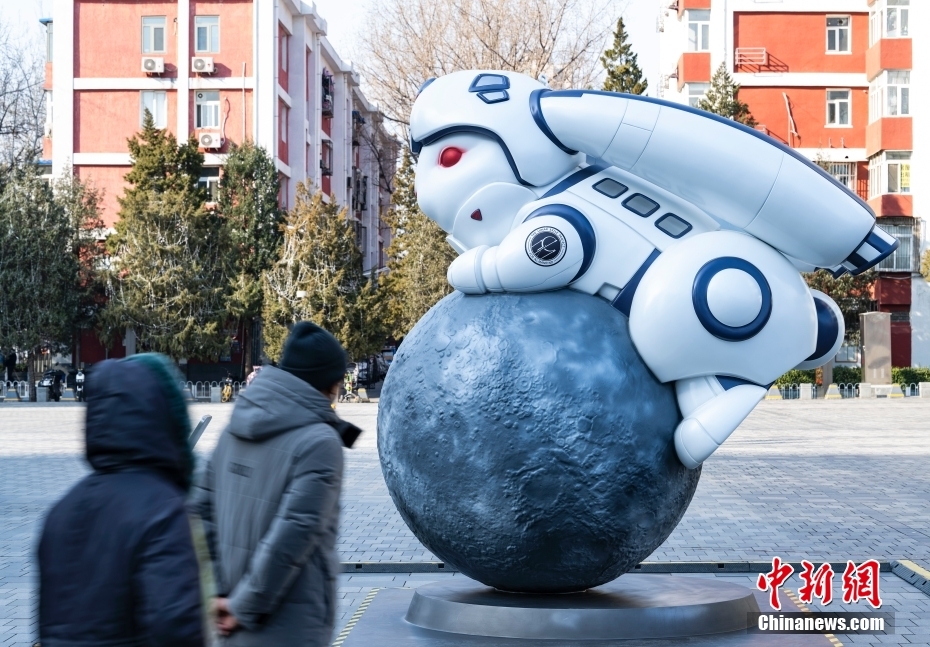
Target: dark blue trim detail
{"type": "Point", "coordinates": [671, 216]}
{"type": "Point", "coordinates": [880, 245]}
{"type": "Point", "coordinates": [624, 301]}
{"type": "Point", "coordinates": [858, 261]}
{"type": "Point", "coordinates": [729, 122]}
{"type": "Point", "coordinates": [575, 178]}
{"type": "Point", "coordinates": [706, 317]}
{"type": "Point", "coordinates": [577, 220]}
{"type": "Point", "coordinates": [494, 96]}
{"type": "Point", "coordinates": [540, 120]}
{"type": "Point", "coordinates": [728, 382]}
{"type": "Point", "coordinates": [838, 273]}
{"type": "Point", "coordinates": [425, 84]}
{"type": "Point", "coordinates": [417, 146]}
{"type": "Point", "coordinates": [640, 195]}
{"type": "Point", "coordinates": [623, 188]}
{"type": "Point", "coordinates": [828, 329]}
{"type": "Point", "coordinates": [503, 85]}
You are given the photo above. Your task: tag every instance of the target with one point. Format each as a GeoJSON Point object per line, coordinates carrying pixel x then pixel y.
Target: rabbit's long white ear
{"type": "Point", "coordinates": [736, 174]}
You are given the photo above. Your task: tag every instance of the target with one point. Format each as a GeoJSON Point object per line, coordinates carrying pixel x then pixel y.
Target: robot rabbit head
{"type": "Point", "coordinates": [480, 153]}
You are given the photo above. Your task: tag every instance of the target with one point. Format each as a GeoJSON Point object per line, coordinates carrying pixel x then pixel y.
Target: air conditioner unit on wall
{"type": "Point", "coordinates": [202, 64]}
{"type": "Point", "coordinates": [153, 64]}
{"type": "Point", "coordinates": [209, 140]}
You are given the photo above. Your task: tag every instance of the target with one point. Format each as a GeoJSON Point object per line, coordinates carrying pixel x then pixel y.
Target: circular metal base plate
{"type": "Point", "coordinates": [633, 606]}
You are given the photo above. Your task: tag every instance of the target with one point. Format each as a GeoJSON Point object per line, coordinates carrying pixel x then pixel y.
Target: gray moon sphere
{"type": "Point", "coordinates": [525, 442]}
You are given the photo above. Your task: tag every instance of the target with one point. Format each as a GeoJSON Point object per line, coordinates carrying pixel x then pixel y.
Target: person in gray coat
{"type": "Point", "coordinates": [269, 499]}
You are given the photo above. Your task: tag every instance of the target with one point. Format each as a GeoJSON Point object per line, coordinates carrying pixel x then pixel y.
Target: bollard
{"type": "Point", "coordinates": [923, 389]}
{"type": "Point", "coordinates": [897, 391]}
{"type": "Point", "coordinates": [865, 390]}
{"type": "Point", "coordinates": [833, 393]}
{"type": "Point", "coordinates": [363, 395]}
{"type": "Point", "coordinates": [806, 391]}
{"type": "Point", "coordinates": [773, 393]}
{"type": "Point", "coordinates": [216, 394]}
{"type": "Point", "coordinates": [42, 394]}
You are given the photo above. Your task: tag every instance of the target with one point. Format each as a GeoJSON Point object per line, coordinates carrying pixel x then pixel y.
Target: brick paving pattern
{"type": "Point", "coordinates": [813, 480]}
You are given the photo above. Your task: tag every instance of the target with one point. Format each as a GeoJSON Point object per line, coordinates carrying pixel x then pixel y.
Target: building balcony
{"type": "Point", "coordinates": [888, 54]}
{"type": "Point", "coordinates": [889, 134]}
{"type": "Point", "coordinates": [893, 204]}
{"type": "Point", "coordinates": [684, 5]}
{"type": "Point", "coordinates": [693, 67]}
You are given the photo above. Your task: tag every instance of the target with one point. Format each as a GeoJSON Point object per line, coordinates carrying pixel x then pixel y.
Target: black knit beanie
{"type": "Point", "coordinates": [314, 355]}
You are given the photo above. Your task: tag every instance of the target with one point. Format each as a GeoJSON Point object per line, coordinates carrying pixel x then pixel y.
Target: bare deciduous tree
{"type": "Point", "coordinates": [22, 102]}
{"type": "Point", "coordinates": [406, 42]}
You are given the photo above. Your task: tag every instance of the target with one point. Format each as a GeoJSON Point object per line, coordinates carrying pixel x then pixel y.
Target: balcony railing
{"type": "Point", "coordinates": [752, 56]}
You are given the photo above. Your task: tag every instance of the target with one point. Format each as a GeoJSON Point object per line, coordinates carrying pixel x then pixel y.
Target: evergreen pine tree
{"type": "Point", "coordinates": [623, 72]}
{"type": "Point", "coordinates": [318, 277]}
{"type": "Point", "coordinates": [723, 98]}
{"type": "Point", "coordinates": [418, 256]}
{"type": "Point", "coordinates": [38, 300]}
{"type": "Point", "coordinates": [248, 201]}
{"type": "Point", "coordinates": [173, 266]}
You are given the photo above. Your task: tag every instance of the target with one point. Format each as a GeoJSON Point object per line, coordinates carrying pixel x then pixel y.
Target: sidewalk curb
{"type": "Point", "coordinates": [913, 574]}
{"type": "Point", "coordinates": [644, 567]}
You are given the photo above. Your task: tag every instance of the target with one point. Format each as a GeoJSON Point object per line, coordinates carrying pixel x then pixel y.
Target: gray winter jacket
{"type": "Point", "coordinates": [269, 498]}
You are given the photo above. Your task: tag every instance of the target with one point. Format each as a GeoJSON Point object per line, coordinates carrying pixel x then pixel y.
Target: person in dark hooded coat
{"type": "Point", "coordinates": [116, 559]}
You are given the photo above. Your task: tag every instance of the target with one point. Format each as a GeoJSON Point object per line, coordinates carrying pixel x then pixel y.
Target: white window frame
{"type": "Point", "coordinates": [693, 97]}
{"type": "Point", "coordinates": [837, 29]}
{"type": "Point", "coordinates": [151, 25]}
{"type": "Point", "coordinates": [897, 90]}
{"type": "Point", "coordinates": [901, 10]}
{"type": "Point", "coordinates": [207, 109]}
{"type": "Point", "coordinates": [876, 92]}
{"type": "Point", "coordinates": [157, 102]}
{"type": "Point", "coordinates": [891, 87]}
{"type": "Point", "coordinates": [701, 29]}
{"type": "Point", "coordinates": [284, 118]}
{"type": "Point", "coordinates": [879, 14]}
{"type": "Point", "coordinates": [284, 48]}
{"type": "Point", "coordinates": [211, 183]}
{"type": "Point", "coordinates": [830, 101]}
{"type": "Point", "coordinates": [883, 167]}
{"type": "Point", "coordinates": [211, 27]}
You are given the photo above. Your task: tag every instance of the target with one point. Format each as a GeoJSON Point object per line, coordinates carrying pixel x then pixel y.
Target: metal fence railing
{"type": "Point", "coordinates": [911, 390]}
{"type": "Point", "coordinates": [16, 389]}
{"type": "Point", "coordinates": [202, 391]}
{"type": "Point", "coordinates": [848, 390]}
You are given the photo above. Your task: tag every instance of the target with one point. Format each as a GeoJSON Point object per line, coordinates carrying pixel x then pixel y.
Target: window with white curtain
{"type": "Point", "coordinates": [156, 103]}
{"type": "Point", "coordinates": [889, 19]}
{"type": "Point", "coordinates": [698, 31]}
{"type": "Point", "coordinates": [890, 95]}
{"type": "Point", "coordinates": [897, 18]}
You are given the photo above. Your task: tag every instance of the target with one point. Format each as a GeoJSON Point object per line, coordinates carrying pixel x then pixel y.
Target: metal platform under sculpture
{"type": "Point", "coordinates": [633, 611]}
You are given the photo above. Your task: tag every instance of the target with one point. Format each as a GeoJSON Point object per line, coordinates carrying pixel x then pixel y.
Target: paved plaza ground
{"type": "Point", "coordinates": [816, 480]}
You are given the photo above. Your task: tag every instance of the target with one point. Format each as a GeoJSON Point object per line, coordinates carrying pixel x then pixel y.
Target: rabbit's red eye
{"type": "Point", "coordinates": [450, 156]}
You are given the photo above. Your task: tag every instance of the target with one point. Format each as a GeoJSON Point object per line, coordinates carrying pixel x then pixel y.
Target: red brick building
{"type": "Point", "coordinates": [842, 81]}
